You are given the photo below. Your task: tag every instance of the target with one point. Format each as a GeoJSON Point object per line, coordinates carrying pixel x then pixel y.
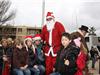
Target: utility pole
{"type": "Point", "coordinates": [76, 17]}
{"type": "Point", "coordinates": [43, 12]}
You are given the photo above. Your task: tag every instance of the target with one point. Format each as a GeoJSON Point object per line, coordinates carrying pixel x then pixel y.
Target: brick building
{"type": "Point", "coordinates": [17, 31]}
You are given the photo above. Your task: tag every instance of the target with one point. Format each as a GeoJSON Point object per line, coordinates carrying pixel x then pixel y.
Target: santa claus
{"type": "Point", "coordinates": [51, 35]}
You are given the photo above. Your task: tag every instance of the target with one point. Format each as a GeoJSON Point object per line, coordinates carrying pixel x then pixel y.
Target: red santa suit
{"type": "Point", "coordinates": [52, 39]}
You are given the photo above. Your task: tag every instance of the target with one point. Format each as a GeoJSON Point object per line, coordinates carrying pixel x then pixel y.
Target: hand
{"type": "Point", "coordinates": [5, 58]}
{"type": "Point", "coordinates": [35, 66]}
{"type": "Point", "coordinates": [22, 68]}
{"type": "Point", "coordinates": [25, 66]}
{"type": "Point", "coordinates": [53, 69]}
{"type": "Point", "coordinates": [66, 62]}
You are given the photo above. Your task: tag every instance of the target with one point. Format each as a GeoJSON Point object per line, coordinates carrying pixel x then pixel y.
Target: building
{"type": "Point", "coordinates": [18, 31]}
{"type": "Point", "coordinates": [92, 40]}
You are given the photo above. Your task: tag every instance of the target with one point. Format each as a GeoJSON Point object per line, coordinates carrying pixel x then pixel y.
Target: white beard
{"type": "Point", "coordinates": [50, 25]}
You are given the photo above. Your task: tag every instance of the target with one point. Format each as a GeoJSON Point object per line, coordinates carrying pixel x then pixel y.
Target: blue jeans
{"type": "Point", "coordinates": [93, 62]}
{"type": "Point", "coordinates": [42, 69]}
{"type": "Point", "coordinates": [35, 71]}
{"type": "Point", "coordinates": [39, 71]}
{"type": "Point", "coordinates": [22, 72]}
{"type": "Point", "coordinates": [55, 73]}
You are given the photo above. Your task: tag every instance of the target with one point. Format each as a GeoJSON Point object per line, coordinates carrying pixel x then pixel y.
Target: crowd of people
{"type": "Point", "coordinates": [52, 52]}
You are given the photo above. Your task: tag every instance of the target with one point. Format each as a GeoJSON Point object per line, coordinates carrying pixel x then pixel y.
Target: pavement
{"type": "Point", "coordinates": [94, 71]}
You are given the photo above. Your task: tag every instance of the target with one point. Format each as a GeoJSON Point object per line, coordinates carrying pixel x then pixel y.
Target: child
{"type": "Point", "coordinates": [33, 65]}
{"type": "Point", "coordinates": [38, 45]}
{"type": "Point", "coordinates": [20, 59]}
{"type": "Point", "coordinates": [66, 57]}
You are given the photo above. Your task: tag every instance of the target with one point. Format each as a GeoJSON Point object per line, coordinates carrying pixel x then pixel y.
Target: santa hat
{"type": "Point", "coordinates": [37, 37]}
{"type": "Point", "coordinates": [50, 15]}
{"type": "Point", "coordinates": [29, 38]}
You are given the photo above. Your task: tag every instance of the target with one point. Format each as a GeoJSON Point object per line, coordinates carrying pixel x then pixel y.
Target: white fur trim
{"type": "Point", "coordinates": [50, 50]}
{"type": "Point", "coordinates": [49, 17]}
{"type": "Point", "coordinates": [36, 38]}
{"type": "Point", "coordinates": [25, 42]}
{"type": "Point", "coordinates": [28, 39]}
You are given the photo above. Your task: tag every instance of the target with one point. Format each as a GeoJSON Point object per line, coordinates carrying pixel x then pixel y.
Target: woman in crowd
{"type": "Point", "coordinates": [20, 59]}
{"type": "Point", "coordinates": [34, 64]}
{"type": "Point", "coordinates": [4, 61]}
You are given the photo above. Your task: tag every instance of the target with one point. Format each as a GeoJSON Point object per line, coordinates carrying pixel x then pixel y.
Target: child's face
{"type": "Point", "coordinates": [65, 41]}
{"type": "Point", "coordinates": [29, 43]}
{"type": "Point", "coordinates": [19, 46]}
{"type": "Point", "coordinates": [4, 44]}
{"type": "Point", "coordinates": [37, 42]}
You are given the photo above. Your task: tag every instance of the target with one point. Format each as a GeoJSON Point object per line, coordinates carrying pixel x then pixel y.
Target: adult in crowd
{"type": "Point", "coordinates": [20, 59]}
{"type": "Point", "coordinates": [34, 63]}
{"type": "Point", "coordinates": [81, 33]}
{"type": "Point", "coordinates": [51, 35]}
{"type": "Point", "coordinates": [94, 56]}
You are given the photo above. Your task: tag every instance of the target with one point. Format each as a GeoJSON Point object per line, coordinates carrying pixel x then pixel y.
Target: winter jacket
{"type": "Point", "coordinates": [70, 53]}
{"type": "Point", "coordinates": [20, 57]}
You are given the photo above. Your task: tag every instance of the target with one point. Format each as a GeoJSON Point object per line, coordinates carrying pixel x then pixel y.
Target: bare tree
{"type": "Point", "coordinates": [4, 7]}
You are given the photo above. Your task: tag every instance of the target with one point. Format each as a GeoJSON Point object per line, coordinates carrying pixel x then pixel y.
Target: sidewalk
{"type": "Point", "coordinates": [96, 70]}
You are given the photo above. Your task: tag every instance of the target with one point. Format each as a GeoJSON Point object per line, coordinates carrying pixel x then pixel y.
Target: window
{"type": "Point", "coordinates": [87, 39]}
{"type": "Point", "coordinates": [19, 30]}
{"type": "Point", "coordinates": [98, 39]}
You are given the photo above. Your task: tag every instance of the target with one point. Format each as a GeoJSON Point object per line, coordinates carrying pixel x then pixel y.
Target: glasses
{"type": "Point", "coordinates": [49, 19]}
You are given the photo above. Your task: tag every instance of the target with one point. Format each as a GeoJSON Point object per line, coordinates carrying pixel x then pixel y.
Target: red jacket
{"type": "Point", "coordinates": [56, 37]}
{"type": "Point", "coordinates": [81, 62]}
{"type": "Point", "coordinates": [6, 69]}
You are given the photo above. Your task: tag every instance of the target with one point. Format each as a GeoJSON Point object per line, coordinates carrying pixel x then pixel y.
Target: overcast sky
{"type": "Point", "coordinates": [71, 13]}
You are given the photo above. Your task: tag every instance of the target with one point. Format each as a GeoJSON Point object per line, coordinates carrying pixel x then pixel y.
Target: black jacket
{"type": "Point", "coordinates": [70, 53]}
{"type": "Point", "coordinates": [32, 57]}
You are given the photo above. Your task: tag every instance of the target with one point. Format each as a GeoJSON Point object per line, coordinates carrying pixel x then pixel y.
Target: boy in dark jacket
{"type": "Point", "coordinates": [66, 57]}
